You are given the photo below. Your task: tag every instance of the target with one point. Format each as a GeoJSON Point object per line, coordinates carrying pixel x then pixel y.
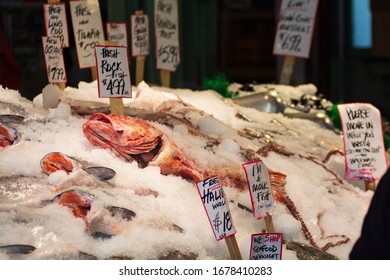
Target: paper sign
{"type": "Point", "coordinates": [140, 35]}
{"type": "Point", "coordinates": [259, 185]}
{"type": "Point", "coordinates": [88, 30]}
{"type": "Point", "coordinates": [54, 59]}
{"type": "Point", "coordinates": [113, 71]}
{"type": "Point", "coordinates": [365, 154]}
{"type": "Point", "coordinates": [55, 22]}
{"type": "Point", "coordinates": [166, 23]}
{"type": "Point", "coordinates": [266, 246]}
{"type": "Point", "coordinates": [295, 27]}
{"type": "Point", "coordinates": [216, 206]}
{"type": "Point", "coordinates": [117, 32]}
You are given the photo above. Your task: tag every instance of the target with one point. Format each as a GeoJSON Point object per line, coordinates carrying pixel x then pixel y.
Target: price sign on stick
{"type": "Point", "coordinates": [259, 186]}
{"type": "Point", "coordinates": [54, 59]}
{"type": "Point", "coordinates": [266, 246]}
{"type": "Point", "coordinates": [365, 155]}
{"type": "Point", "coordinates": [55, 22]}
{"type": "Point", "coordinates": [88, 30]}
{"type": "Point", "coordinates": [139, 34]}
{"type": "Point", "coordinates": [217, 209]}
{"type": "Point", "coordinates": [167, 34]}
{"type": "Point", "coordinates": [117, 32]}
{"type": "Point", "coordinates": [113, 71]}
{"type": "Point", "coordinates": [295, 27]}
{"type": "Point", "coordinates": [139, 42]}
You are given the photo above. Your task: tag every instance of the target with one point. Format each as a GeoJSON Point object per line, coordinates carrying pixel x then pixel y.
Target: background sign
{"type": "Point", "coordinates": [166, 23]}
{"type": "Point", "coordinates": [113, 71]}
{"type": "Point", "coordinates": [55, 22]}
{"type": "Point", "coordinates": [140, 35]}
{"type": "Point", "coordinates": [88, 30]}
{"type": "Point", "coordinates": [216, 206]}
{"type": "Point", "coordinates": [259, 185]}
{"type": "Point", "coordinates": [365, 154]}
{"type": "Point", "coordinates": [54, 59]}
{"type": "Point", "coordinates": [117, 32]}
{"type": "Point", "coordinates": [266, 246]}
{"type": "Point", "coordinates": [295, 27]}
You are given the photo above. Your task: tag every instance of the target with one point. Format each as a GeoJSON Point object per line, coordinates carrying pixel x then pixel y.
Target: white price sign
{"type": "Point", "coordinates": [166, 21]}
{"type": "Point", "coordinates": [117, 32]}
{"type": "Point", "coordinates": [113, 71]}
{"type": "Point", "coordinates": [364, 150]}
{"type": "Point", "coordinates": [295, 28]}
{"type": "Point", "coordinates": [266, 246]}
{"type": "Point", "coordinates": [259, 185]}
{"type": "Point", "coordinates": [88, 30]}
{"type": "Point", "coordinates": [216, 206]}
{"type": "Point", "coordinates": [54, 59]}
{"type": "Point", "coordinates": [55, 22]}
{"type": "Point", "coordinates": [140, 35]}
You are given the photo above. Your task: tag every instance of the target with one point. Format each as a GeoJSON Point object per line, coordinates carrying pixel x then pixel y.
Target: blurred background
{"type": "Point", "coordinates": [349, 59]}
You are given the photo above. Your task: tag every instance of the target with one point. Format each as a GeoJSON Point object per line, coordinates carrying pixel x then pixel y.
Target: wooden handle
{"type": "Point", "coordinates": [116, 106]}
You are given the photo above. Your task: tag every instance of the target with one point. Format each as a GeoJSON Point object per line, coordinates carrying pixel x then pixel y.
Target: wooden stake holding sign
{"type": "Point", "coordinates": [56, 26]}
{"type": "Point", "coordinates": [139, 42]}
{"type": "Point", "coordinates": [259, 186]}
{"type": "Point", "coordinates": [294, 33]}
{"type": "Point", "coordinates": [113, 73]}
{"type": "Point", "coordinates": [364, 149]}
{"type": "Point", "coordinates": [217, 209]}
{"type": "Point", "coordinates": [287, 70]}
{"type": "Point", "coordinates": [167, 38]}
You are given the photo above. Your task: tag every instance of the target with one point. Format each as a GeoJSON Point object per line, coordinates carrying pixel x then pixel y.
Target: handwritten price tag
{"type": "Point", "coordinates": [364, 150]}
{"type": "Point", "coordinates": [266, 246]}
{"type": "Point", "coordinates": [216, 207]}
{"type": "Point", "coordinates": [55, 22]}
{"type": "Point", "coordinates": [117, 32]}
{"type": "Point", "coordinates": [113, 71]}
{"type": "Point", "coordinates": [259, 185]}
{"type": "Point", "coordinates": [295, 28]}
{"type": "Point", "coordinates": [167, 34]}
{"type": "Point", "coordinates": [140, 35]}
{"type": "Point", "coordinates": [54, 59]}
{"type": "Point", "coordinates": [88, 30]}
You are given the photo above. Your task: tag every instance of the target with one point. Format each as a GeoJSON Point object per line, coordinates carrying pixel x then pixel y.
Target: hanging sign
{"type": "Point", "coordinates": [117, 32]}
{"type": "Point", "coordinates": [295, 27]}
{"type": "Point", "coordinates": [166, 21]}
{"type": "Point", "coordinates": [259, 185]}
{"type": "Point", "coordinates": [266, 246]}
{"type": "Point", "coordinates": [113, 72]}
{"type": "Point", "coordinates": [364, 150]}
{"type": "Point", "coordinates": [139, 35]}
{"type": "Point", "coordinates": [216, 206]}
{"type": "Point", "coordinates": [55, 67]}
{"type": "Point", "coordinates": [55, 22]}
{"type": "Point", "coordinates": [88, 30]}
